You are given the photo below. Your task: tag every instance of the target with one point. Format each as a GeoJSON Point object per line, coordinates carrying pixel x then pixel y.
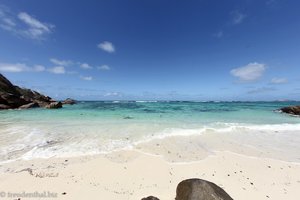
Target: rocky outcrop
{"type": "Point", "coordinates": [150, 198]}
{"type": "Point", "coordinates": [4, 107]}
{"type": "Point", "coordinates": [6, 86]}
{"type": "Point", "coordinates": [198, 189]}
{"type": "Point", "coordinates": [30, 105]}
{"type": "Point", "coordinates": [30, 95]}
{"type": "Point", "coordinates": [13, 100]}
{"type": "Point", "coordinates": [54, 105]}
{"type": "Point", "coordinates": [292, 110]}
{"type": "Point", "coordinates": [69, 101]}
{"type": "Point", "coordinates": [12, 97]}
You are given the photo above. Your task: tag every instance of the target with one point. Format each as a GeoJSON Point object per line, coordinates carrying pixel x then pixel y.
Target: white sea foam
{"type": "Point", "coordinates": [32, 143]}
{"type": "Point", "coordinates": [222, 128]}
{"type": "Point", "coordinates": [145, 101]}
{"type": "Point", "coordinates": [87, 147]}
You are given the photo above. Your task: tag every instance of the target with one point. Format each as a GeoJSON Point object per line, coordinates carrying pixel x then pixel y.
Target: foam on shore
{"type": "Point", "coordinates": [25, 142]}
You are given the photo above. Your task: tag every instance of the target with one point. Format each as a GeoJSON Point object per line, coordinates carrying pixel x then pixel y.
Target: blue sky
{"type": "Point", "coordinates": [158, 49]}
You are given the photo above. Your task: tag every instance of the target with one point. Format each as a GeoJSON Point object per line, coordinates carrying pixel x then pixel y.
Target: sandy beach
{"type": "Point", "coordinates": [89, 156]}
{"type": "Point", "coordinates": [149, 100]}
{"type": "Point", "coordinates": [134, 174]}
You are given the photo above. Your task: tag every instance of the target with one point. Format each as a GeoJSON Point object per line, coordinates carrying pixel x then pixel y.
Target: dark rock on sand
{"type": "Point", "coordinates": [69, 101]}
{"type": "Point", "coordinates": [3, 107]}
{"type": "Point", "coordinates": [293, 110]}
{"type": "Point", "coordinates": [12, 96]}
{"type": "Point", "coordinates": [197, 189]}
{"type": "Point", "coordinates": [30, 105]}
{"type": "Point", "coordinates": [54, 105]}
{"type": "Point", "coordinates": [150, 198]}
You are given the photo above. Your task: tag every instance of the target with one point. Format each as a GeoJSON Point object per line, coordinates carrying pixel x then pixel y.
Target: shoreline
{"type": "Point", "coordinates": [175, 145]}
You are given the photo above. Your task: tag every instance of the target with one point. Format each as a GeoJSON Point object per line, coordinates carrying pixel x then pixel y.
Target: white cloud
{"type": "Point", "coordinates": [20, 67]}
{"type": "Point", "coordinates": [57, 70]}
{"type": "Point", "coordinates": [278, 81]}
{"type": "Point", "coordinates": [23, 24]}
{"type": "Point", "coordinates": [32, 22]}
{"type": "Point", "coordinates": [107, 46]}
{"type": "Point", "coordinates": [103, 67]}
{"type": "Point", "coordinates": [237, 17]}
{"type": "Point", "coordinates": [35, 28]}
{"type": "Point", "coordinates": [109, 94]}
{"type": "Point", "coordinates": [39, 68]}
{"type": "Point", "coordinates": [250, 72]}
{"type": "Point", "coordinates": [9, 67]}
{"type": "Point", "coordinates": [86, 78]}
{"type": "Point", "coordinates": [61, 62]}
{"type": "Point", "coordinates": [85, 66]}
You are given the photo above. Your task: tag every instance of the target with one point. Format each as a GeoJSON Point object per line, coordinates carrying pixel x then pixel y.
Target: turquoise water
{"type": "Point", "coordinates": [183, 112]}
{"type": "Point", "coordinates": [104, 126]}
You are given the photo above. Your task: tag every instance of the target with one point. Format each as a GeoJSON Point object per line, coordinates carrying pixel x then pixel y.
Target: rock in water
{"type": "Point", "coordinates": [69, 101]}
{"type": "Point", "coordinates": [54, 105]}
{"type": "Point", "coordinates": [197, 189]}
{"type": "Point", "coordinates": [293, 110]}
{"type": "Point", "coordinates": [30, 105]}
{"type": "Point", "coordinates": [150, 198]}
{"type": "Point", "coordinates": [4, 107]}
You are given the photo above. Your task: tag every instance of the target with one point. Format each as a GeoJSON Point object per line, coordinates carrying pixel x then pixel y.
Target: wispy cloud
{"type": "Point", "coordinates": [107, 46]}
{"type": "Point", "coordinates": [35, 28]}
{"type": "Point", "coordinates": [237, 17]}
{"type": "Point", "coordinates": [20, 67]}
{"type": "Point", "coordinates": [7, 21]}
{"type": "Point", "coordinates": [61, 62]}
{"type": "Point", "coordinates": [72, 72]}
{"type": "Point", "coordinates": [103, 67]}
{"type": "Point", "coordinates": [39, 68]}
{"type": "Point", "coordinates": [7, 24]}
{"type": "Point", "coordinates": [85, 66]}
{"type": "Point", "coordinates": [112, 94]}
{"type": "Point", "coordinates": [261, 90]}
{"type": "Point", "coordinates": [86, 78]}
{"type": "Point", "coordinates": [278, 81]}
{"type": "Point", "coordinates": [250, 72]}
{"type": "Point", "coordinates": [57, 70]}
{"type": "Point", "coordinates": [218, 34]}
{"type": "Point", "coordinates": [24, 24]}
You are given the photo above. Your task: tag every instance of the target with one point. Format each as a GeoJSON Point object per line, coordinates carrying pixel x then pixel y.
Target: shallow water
{"type": "Point", "coordinates": [102, 127]}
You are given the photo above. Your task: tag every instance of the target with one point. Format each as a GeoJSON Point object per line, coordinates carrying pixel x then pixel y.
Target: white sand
{"type": "Point", "coordinates": [133, 175]}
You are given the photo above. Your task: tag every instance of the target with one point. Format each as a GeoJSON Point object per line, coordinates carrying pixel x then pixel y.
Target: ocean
{"type": "Point", "coordinates": [100, 127]}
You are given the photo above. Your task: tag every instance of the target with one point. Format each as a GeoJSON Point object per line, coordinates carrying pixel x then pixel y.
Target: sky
{"type": "Point", "coordinates": [246, 50]}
